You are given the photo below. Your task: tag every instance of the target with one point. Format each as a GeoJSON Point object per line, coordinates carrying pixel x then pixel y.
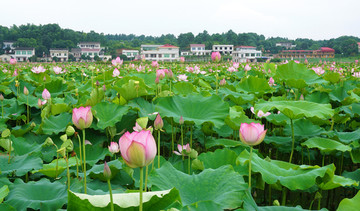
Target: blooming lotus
{"type": "Point", "coordinates": [271, 81]}
{"type": "Point", "coordinates": [116, 73]}
{"type": "Point", "coordinates": [161, 73]}
{"type": "Point", "coordinates": [82, 117]}
{"type": "Point", "coordinates": [252, 134]}
{"type": "Point", "coordinates": [114, 148]}
{"type": "Point", "coordinates": [154, 64]}
{"type": "Point", "coordinates": [183, 150]}
{"type": "Point", "coordinates": [38, 70]}
{"type": "Point", "coordinates": [222, 82]}
{"type": "Point", "coordinates": [260, 113]}
{"type": "Point", "coordinates": [215, 56]}
{"type": "Point", "coordinates": [232, 69]}
{"type": "Point", "coordinates": [247, 67]}
{"type": "Point", "coordinates": [12, 61]}
{"type": "Point", "coordinates": [117, 61]}
{"type": "Point", "coordinates": [182, 59]}
{"type": "Point", "coordinates": [182, 77]}
{"type": "Point", "coordinates": [318, 70]}
{"type": "Point", "coordinates": [138, 149]}
{"type": "Point", "coordinates": [236, 65]}
{"type": "Point", "coordinates": [57, 70]}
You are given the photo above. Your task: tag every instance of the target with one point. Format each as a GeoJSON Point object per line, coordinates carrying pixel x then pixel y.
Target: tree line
{"type": "Point", "coordinates": [44, 37]}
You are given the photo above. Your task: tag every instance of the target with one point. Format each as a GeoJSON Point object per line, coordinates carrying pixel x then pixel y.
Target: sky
{"type": "Point", "coordinates": [314, 19]}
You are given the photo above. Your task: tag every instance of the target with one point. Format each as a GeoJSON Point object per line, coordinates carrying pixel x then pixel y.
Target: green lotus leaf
{"type": "Point", "coordinates": [50, 169]}
{"type": "Point", "coordinates": [295, 72]}
{"type": "Point", "coordinates": [183, 88]}
{"type": "Point", "coordinates": [218, 158]}
{"type": "Point", "coordinates": [194, 108]}
{"type": "Point", "coordinates": [30, 100]}
{"type": "Point", "coordinates": [325, 145]}
{"type": "Point", "coordinates": [108, 114]}
{"type": "Point", "coordinates": [305, 128]}
{"type": "Point", "coordinates": [56, 124]}
{"type": "Point", "coordinates": [318, 97]}
{"type": "Point", "coordinates": [145, 108]}
{"type": "Point", "coordinates": [56, 87]}
{"type": "Point", "coordinates": [222, 142]}
{"type": "Point", "coordinates": [292, 176]}
{"type": "Point", "coordinates": [236, 97]}
{"type": "Point", "coordinates": [97, 170]}
{"type": "Point", "coordinates": [15, 110]}
{"type": "Point", "coordinates": [278, 119]}
{"type": "Point", "coordinates": [350, 204]}
{"type": "Point", "coordinates": [257, 86]}
{"type": "Point", "coordinates": [338, 181]}
{"type": "Point", "coordinates": [42, 194]}
{"type": "Point", "coordinates": [4, 191]}
{"type": "Point", "coordinates": [281, 143]}
{"type": "Point", "coordinates": [297, 109]}
{"type": "Point", "coordinates": [333, 77]}
{"type": "Point", "coordinates": [20, 164]}
{"type": "Point", "coordinates": [154, 200]}
{"type": "Point", "coordinates": [128, 88]}
{"type": "Point", "coordinates": [223, 185]}
{"type": "Point", "coordinates": [236, 117]}
{"type": "Point", "coordinates": [59, 108]}
{"type": "Point", "coordinates": [203, 205]}
{"type": "Point", "coordinates": [96, 96]}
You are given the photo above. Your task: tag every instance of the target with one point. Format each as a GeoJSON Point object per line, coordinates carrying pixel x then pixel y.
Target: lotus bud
{"type": "Point", "coordinates": [193, 154]}
{"type": "Point", "coordinates": [48, 142]}
{"type": "Point", "coordinates": [97, 83]}
{"type": "Point", "coordinates": [276, 203]}
{"type": "Point", "coordinates": [104, 88]}
{"type": "Point", "coordinates": [63, 138]}
{"type": "Point", "coordinates": [70, 130]}
{"type": "Point", "coordinates": [107, 171]}
{"type": "Point", "coordinates": [32, 124]}
{"type": "Point", "coordinates": [46, 94]}
{"type": "Point", "coordinates": [26, 91]}
{"type": "Point", "coordinates": [181, 121]}
{"type": "Point", "coordinates": [1, 97]}
{"type": "Point", "coordinates": [222, 82]}
{"type": "Point", "coordinates": [252, 134]}
{"type": "Point", "coordinates": [114, 148]}
{"type": "Point", "coordinates": [82, 117]}
{"type": "Point", "coordinates": [159, 123]}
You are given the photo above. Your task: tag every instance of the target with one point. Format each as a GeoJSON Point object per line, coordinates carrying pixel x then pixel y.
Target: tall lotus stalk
{"type": "Point", "coordinates": [26, 93]}
{"type": "Point", "coordinates": [158, 125]}
{"type": "Point", "coordinates": [82, 119]}
{"type": "Point", "coordinates": [293, 140]}
{"type": "Point", "coordinates": [251, 134]}
{"type": "Point", "coordinates": [181, 121]}
{"type": "Point", "coordinates": [107, 175]}
{"type": "Point", "coordinates": [2, 105]}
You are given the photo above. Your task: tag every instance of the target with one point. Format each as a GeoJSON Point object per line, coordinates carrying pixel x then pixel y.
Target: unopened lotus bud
{"type": "Point", "coordinates": [97, 83]}
{"type": "Point", "coordinates": [181, 121]}
{"type": "Point", "coordinates": [1, 97]}
{"type": "Point", "coordinates": [159, 123]}
{"type": "Point", "coordinates": [33, 125]}
{"type": "Point", "coordinates": [63, 138]}
{"type": "Point", "coordinates": [107, 171]}
{"type": "Point", "coordinates": [70, 130]}
{"type": "Point", "coordinates": [104, 88]}
{"type": "Point", "coordinates": [276, 203]}
{"type": "Point", "coordinates": [26, 91]}
{"type": "Point", "coordinates": [17, 83]}
{"type": "Point", "coordinates": [48, 142]}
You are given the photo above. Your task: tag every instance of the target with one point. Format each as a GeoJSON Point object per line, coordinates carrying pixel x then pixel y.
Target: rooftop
{"type": "Point", "coordinates": [244, 46]}
{"type": "Point", "coordinates": [197, 45]}
{"type": "Point", "coordinates": [168, 46]}
{"type": "Point", "coordinates": [24, 48]}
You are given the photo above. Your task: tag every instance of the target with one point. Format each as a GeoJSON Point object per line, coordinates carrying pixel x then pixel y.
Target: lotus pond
{"type": "Point", "coordinates": [308, 159]}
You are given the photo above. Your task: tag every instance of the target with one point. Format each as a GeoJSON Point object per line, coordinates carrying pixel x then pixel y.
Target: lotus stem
{"type": "Point", "coordinates": [158, 148]}
{"type": "Point", "coordinates": [2, 109]}
{"type": "Point", "coordinates": [251, 151]}
{"type": "Point", "coordinates": [172, 137]}
{"type": "Point", "coordinates": [284, 192]}
{"type": "Point", "coordinates": [77, 167]}
{"type": "Point", "coordinates": [9, 151]}
{"type": "Point", "coordinates": [27, 110]}
{"type": "Point", "coordinates": [141, 189]}
{"type": "Point", "coordinates": [80, 152]}
{"type": "Point", "coordinates": [111, 196]}
{"type": "Point", "coordinates": [68, 172]}
{"type": "Point", "coordinates": [293, 140]}
{"type": "Point", "coordinates": [191, 134]}
{"type": "Point", "coordinates": [189, 162]}
{"type": "Point", "coordinates": [342, 163]}
{"type": "Point", "coordinates": [84, 161]}
{"type": "Point", "coordinates": [182, 140]}
{"type": "Point", "coordinates": [146, 176]}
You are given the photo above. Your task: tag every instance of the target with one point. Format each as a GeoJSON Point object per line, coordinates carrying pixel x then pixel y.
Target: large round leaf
{"type": "Point", "coordinates": [350, 204]}
{"type": "Point", "coordinates": [292, 72]}
{"type": "Point", "coordinates": [326, 145]}
{"type": "Point", "coordinates": [254, 85]}
{"type": "Point", "coordinates": [194, 108]}
{"type": "Point", "coordinates": [297, 109]}
{"type": "Point", "coordinates": [223, 185]}
{"type": "Point", "coordinates": [42, 195]}
{"type": "Point", "coordinates": [108, 114]}
{"type": "Point", "coordinates": [56, 124]}
{"type": "Point", "coordinates": [20, 164]}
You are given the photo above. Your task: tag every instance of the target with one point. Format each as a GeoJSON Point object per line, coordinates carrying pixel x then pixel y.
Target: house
{"type": "Point", "coordinates": [287, 45]}
{"type": "Point", "coordinates": [223, 49]}
{"type": "Point", "coordinates": [131, 54]}
{"type": "Point", "coordinates": [60, 53]}
{"type": "Point", "coordinates": [199, 50]}
{"type": "Point", "coordinates": [8, 46]}
{"type": "Point", "coordinates": [5, 58]}
{"type": "Point", "coordinates": [91, 49]}
{"type": "Point", "coordinates": [23, 54]}
{"type": "Point", "coordinates": [245, 54]}
{"type": "Point", "coordinates": [323, 52]}
{"type": "Point", "coordinates": [160, 52]}
{"type": "Point", "coordinates": [76, 52]}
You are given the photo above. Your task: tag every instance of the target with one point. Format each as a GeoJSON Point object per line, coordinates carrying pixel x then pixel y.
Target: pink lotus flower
{"type": "Point", "coordinates": [356, 61]}
{"type": "Point", "coordinates": [306, 61]}
{"type": "Point", "coordinates": [247, 67]}
{"type": "Point", "coordinates": [215, 56]}
{"type": "Point", "coordinates": [189, 69]}
{"type": "Point", "coordinates": [138, 149]}
{"type": "Point", "coordinates": [252, 134]}
{"type": "Point", "coordinates": [26, 91]}
{"type": "Point", "coordinates": [222, 82]}
{"type": "Point", "coordinates": [356, 74]}
{"type": "Point", "coordinates": [107, 171]}
{"type": "Point", "coordinates": [183, 150]}
{"type": "Point", "coordinates": [15, 73]}
{"type": "Point", "coordinates": [236, 65]}
{"type": "Point", "coordinates": [232, 69]}
{"type": "Point", "coordinates": [46, 94]}
{"type": "Point", "coordinates": [158, 123]}
{"type": "Point", "coordinates": [12, 61]}
{"type": "Point", "coordinates": [117, 61]}
{"type": "Point", "coordinates": [182, 77]}
{"type": "Point", "coordinates": [260, 113]}
{"type": "Point", "coordinates": [182, 59]}
{"type": "Point", "coordinates": [154, 64]}
{"type": "Point", "coordinates": [116, 73]}
{"type": "Point", "coordinates": [82, 117]}
{"type": "Point", "coordinates": [57, 70]}
{"type": "Point", "coordinates": [296, 61]}
{"type": "Point", "coordinates": [38, 70]}
{"type": "Point", "coordinates": [161, 73]}
{"type": "Point", "coordinates": [271, 81]}
{"type": "Point", "coordinates": [41, 103]}
{"type": "Point", "coordinates": [114, 147]}
{"type": "Point", "coordinates": [318, 70]}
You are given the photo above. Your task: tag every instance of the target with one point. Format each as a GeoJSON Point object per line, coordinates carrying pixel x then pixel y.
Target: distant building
{"type": "Point", "coordinates": [23, 54]}
{"type": "Point", "coordinates": [91, 49]}
{"type": "Point", "coordinates": [323, 52]}
{"type": "Point", "coordinates": [199, 50]}
{"type": "Point", "coordinates": [287, 45]}
{"type": "Point", "coordinates": [61, 54]}
{"type": "Point", "coordinates": [5, 58]}
{"type": "Point", "coordinates": [8, 46]}
{"type": "Point", "coordinates": [223, 49]}
{"type": "Point", "coordinates": [76, 52]}
{"type": "Point", "coordinates": [245, 54]}
{"type": "Point", "coordinates": [160, 52]}
{"type": "Point", "coordinates": [129, 53]}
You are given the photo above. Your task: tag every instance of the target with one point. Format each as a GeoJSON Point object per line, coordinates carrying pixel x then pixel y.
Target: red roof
{"type": "Point", "coordinates": [168, 46]}
{"type": "Point", "coordinates": [243, 46]}
{"type": "Point", "coordinates": [327, 49]}
{"type": "Point", "coordinates": [197, 45]}
{"type": "Point", "coordinates": [359, 43]}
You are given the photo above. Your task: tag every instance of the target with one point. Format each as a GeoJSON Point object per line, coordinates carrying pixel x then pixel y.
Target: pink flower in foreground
{"type": "Point", "coordinates": [252, 134]}
{"type": "Point", "coordinates": [154, 64]}
{"type": "Point", "coordinates": [116, 73]}
{"type": "Point", "coordinates": [215, 56]}
{"type": "Point", "coordinates": [158, 123]}
{"type": "Point", "coordinates": [138, 149]}
{"type": "Point", "coordinates": [271, 81]}
{"type": "Point", "coordinates": [114, 147]}
{"type": "Point", "coordinates": [117, 61]}
{"type": "Point", "coordinates": [182, 59]}
{"type": "Point", "coordinates": [236, 65]}
{"type": "Point", "coordinates": [183, 150]}
{"type": "Point", "coordinates": [12, 61]}
{"type": "Point", "coordinates": [161, 73]}
{"type": "Point", "coordinates": [182, 77]}
{"type": "Point", "coordinates": [247, 67]}
{"type": "Point", "coordinates": [260, 113]}
{"type": "Point", "coordinates": [82, 117]}
{"type": "Point", "coordinates": [46, 94]}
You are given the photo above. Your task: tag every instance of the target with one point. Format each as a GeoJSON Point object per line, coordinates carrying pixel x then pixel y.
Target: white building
{"type": "Point", "coordinates": [60, 53]}
{"type": "Point", "coordinates": [199, 50]}
{"type": "Point", "coordinates": [8, 46]}
{"type": "Point", "coordinates": [5, 58]}
{"type": "Point", "coordinates": [160, 52]}
{"type": "Point", "coordinates": [91, 49]}
{"type": "Point", "coordinates": [23, 54]}
{"type": "Point", "coordinates": [223, 49]}
{"type": "Point", "coordinates": [131, 54]}
{"type": "Point", "coordinates": [245, 54]}
{"type": "Point", "coordinates": [287, 45]}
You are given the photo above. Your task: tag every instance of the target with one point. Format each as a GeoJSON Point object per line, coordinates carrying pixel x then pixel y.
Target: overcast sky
{"type": "Point", "coordinates": [315, 19]}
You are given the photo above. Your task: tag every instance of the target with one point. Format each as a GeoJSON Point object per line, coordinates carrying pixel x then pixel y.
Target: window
{"type": "Point", "coordinates": [153, 55]}
{"type": "Point", "coordinates": [225, 48]}
{"type": "Point", "coordinates": [230, 48]}
{"type": "Point", "coordinates": [146, 55]}
{"type": "Point", "coordinates": [65, 54]}
{"type": "Point", "coordinates": [18, 52]}
{"type": "Point", "coordinates": [247, 54]}
{"type": "Point", "coordinates": [173, 55]}
{"type": "Point", "coordinates": [23, 52]}
{"type": "Point", "coordinates": [159, 55]}
{"type": "Point", "coordinates": [128, 54]}
{"type": "Point", "coordinates": [166, 55]}
{"type": "Point", "coordinates": [220, 48]}
{"type": "Point", "coordinates": [199, 49]}
{"type": "Point", "coordinates": [90, 54]}
{"type": "Point", "coordinates": [216, 48]}
{"type": "Point", "coordinates": [252, 54]}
